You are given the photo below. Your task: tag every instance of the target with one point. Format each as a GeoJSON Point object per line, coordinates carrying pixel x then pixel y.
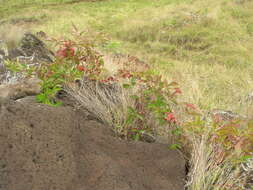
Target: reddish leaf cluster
{"type": "Point", "coordinates": [109, 79]}
{"type": "Point", "coordinates": [169, 116]}
{"type": "Point", "coordinates": [191, 106]}
{"type": "Point", "coordinates": [66, 51]}
{"type": "Point", "coordinates": [81, 68]}
{"type": "Point", "coordinates": [125, 73]}
{"type": "Point", "coordinates": [49, 74]}
{"type": "Point", "coordinates": [177, 91]}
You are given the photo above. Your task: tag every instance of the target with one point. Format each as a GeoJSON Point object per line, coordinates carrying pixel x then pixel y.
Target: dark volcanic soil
{"type": "Point", "coordinates": [57, 148]}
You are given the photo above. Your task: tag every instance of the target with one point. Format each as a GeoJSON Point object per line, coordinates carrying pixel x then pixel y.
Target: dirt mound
{"type": "Point", "coordinates": [46, 148]}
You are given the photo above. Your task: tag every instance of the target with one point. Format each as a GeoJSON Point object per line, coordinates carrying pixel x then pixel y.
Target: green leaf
{"type": "Point", "coordinates": [126, 85]}
{"type": "Point", "coordinates": [133, 81]}
{"type": "Point", "coordinates": [56, 104]}
{"type": "Point", "coordinates": [139, 116]}
{"type": "Point", "coordinates": [137, 137]}
{"type": "Point", "coordinates": [175, 146]}
{"type": "Point", "coordinates": [245, 158]}
{"type": "Point", "coordinates": [41, 98]}
{"type": "Point", "coordinates": [130, 120]}
{"type": "Point", "coordinates": [176, 132]}
{"type": "Point", "coordinates": [130, 110]}
{"type": "Point", "coordinates": [135, 97]}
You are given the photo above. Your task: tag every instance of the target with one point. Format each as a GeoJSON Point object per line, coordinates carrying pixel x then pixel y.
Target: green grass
{"type": "Point", "coordinates": [205, 45]}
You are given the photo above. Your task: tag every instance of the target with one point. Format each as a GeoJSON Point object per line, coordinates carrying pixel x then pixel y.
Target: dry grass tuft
{"type": "Point", "coordinates": [107, 102]}
{"type": "Point", "coordinates": [209, 172]}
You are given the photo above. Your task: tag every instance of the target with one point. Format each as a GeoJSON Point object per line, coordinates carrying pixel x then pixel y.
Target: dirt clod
{"type": "Point", "coordinates": [58, 148]}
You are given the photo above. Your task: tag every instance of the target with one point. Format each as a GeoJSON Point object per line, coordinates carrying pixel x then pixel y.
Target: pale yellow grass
{"type": "Point", "coordinates": [212, 86]}
{"type": "Point", "coordinates": [209, 172]}
{"type": "Point", "coordinates": [219, 77]}
{"type": "Point", "coordinates": [107, 103]}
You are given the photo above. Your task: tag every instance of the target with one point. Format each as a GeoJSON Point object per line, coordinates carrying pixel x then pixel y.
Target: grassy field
{"type": "Point", "coordinates": [204, 45]}
{"type": "Point", "coordinates": [207, 50]}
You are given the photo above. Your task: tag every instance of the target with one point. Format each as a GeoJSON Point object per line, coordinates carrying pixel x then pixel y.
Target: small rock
{"type": "Point", "coordinates": [22, 89]}
{"type": "Point", "coordinates": [30, 45]}
{"type": "Point", "coordinates": [147, 137]}
{"type": "Point", "coordinates": [31, 51]}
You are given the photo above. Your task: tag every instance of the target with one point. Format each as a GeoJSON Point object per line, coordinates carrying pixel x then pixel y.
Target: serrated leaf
{"type": "Point", "coordinates": [175, 146]}
{"type": "Point", "coordinates": [126, 85]}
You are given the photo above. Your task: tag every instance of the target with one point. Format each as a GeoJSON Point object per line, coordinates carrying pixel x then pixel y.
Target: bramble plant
{"type": "Point", "coordinates": [77, 58]}
{"type": "Point", "coordinates": [72, 61]}
{"type": "Point", "coordinates": [154, 103]}
{"type": "Point", "coordinates": [155, 99]}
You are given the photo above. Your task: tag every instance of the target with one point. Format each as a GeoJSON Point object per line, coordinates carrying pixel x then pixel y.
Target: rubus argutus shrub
{"type": "Point", "coordinates": [154, 102]}
{"type": "Point", "coordinates": [78, 58]}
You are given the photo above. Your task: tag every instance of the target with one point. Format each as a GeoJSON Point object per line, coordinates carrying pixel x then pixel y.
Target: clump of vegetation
{"type": "Point", "coordinates": [204, 45]}
{"type": "Point", "coordinates": [219, 152]}
{"type": "Point", "coordinates": [137, 102]}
